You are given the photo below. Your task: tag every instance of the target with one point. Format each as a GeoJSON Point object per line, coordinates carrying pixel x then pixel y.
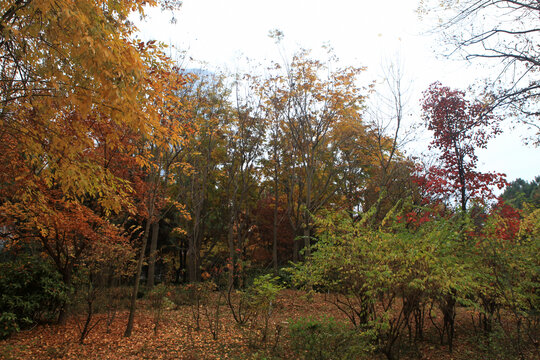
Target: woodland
{"type": "Point", "coordinates": [153, 212]}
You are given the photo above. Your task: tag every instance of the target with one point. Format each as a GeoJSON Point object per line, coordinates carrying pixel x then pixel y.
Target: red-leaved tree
{"type": "Point", "coordinates": [459, 127]}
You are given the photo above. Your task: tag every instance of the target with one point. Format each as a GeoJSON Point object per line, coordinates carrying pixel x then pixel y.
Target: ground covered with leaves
{"type": "Point", "coordinates": [178, 338]}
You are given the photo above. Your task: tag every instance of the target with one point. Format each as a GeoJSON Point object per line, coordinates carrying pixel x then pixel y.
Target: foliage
{"type": "Point", "coordinates": [159, 301]}
{"type": "Point", "coordinates": [520, 193]}
{"type": "Point", "coordinates": [256, 303]}
{"type": "Point", "coordinates": [379, 279]}
{"type": "Point", "coordinates": [318, 136]}
{"type": "Point", "coordinates": [262, 299]}
{"type": "Point", "coordinates": [31, 291]}
{"type": "Point", "coordinates": [327, 338]}
{"type": "Point", "coordinates": [79, 97]}
{"type": "Point", "coordinates": [263, 292]}
{"type": "Point", "coordinates": [103, 138]}
{"type": "Point", "coordinates": [459, 127]}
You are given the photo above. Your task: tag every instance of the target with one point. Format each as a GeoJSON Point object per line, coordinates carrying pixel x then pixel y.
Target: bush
{"type": "Point", "coordinates": [326, 338]}
{"type": "Point", "coordinates": [30, 291]}
{"type": "Point", "coordinates": [263, 292]}
{"type": "Point", "coordinates": [183, 295]}
{"type": "Point", "coordinates": [159, 302]}
{"type": "Point", "coordinates": [285, 278]}
{"type": "Point", "coordinates": [195, 295]}
{"type": "Point", "coordinates": [258, 300]}
{"type": "Point", "coordinates": [261, 300]}
{"type": "Point", "coordinates": [9, 324]}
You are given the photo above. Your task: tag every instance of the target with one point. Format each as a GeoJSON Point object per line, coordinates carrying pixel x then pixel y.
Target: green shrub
{"type": "Point", "coordinates": [327, 339]}
{"type": "Point", "coordinates": [158, 303]}
{"type": "Point", "coordinates": [183, 295]}
{"type": "Point", "coordinates": [285, 278]}
{"type": "Point", "coordinates": [30, 291]}
{"type": "Point", "coordinates": [9, 324]}
{"type": "Point", "coordinates": [263, 292]}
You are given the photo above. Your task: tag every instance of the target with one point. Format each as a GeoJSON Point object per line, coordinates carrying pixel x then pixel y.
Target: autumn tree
{"type": "Point", "coordinates": [54, 97]}
{"type": "Point", "coordinates": [272, 164]}
{"type": "Point", "coordinates": [158, 155]}
{"type": "Point", "coordinates": [201, 185]}
{"type": "Point", "coordinates": [165, 151]}
{"type": "Point", "coordinates": [74, 95]}
{"type": "Point", "coordinates": [314, 102]}
{"type": "Point", "coordinates": [246, 132]}
{"type": "Point", "coordinates": [66, 66]}
{"type": "Point", "coordinates": [459, 127]}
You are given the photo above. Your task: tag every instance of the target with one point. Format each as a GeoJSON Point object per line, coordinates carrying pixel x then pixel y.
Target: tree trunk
{"type": "Point", "coordinates": [191, 260]}
{"type": "Point", "coordinates": [232, 255]}
{"type": "Point", "coordinates": [295, 250]}
{"type": "Point", "coordinates": [274, 239]}
{"type": "Point", "coordinates": [198, 190]}
{"type": "Point", "coordinates": [307, 215]}
{"type": "Point", "coordinates": [193, 248]}
{"type": "Point", "coordinates": [152, 257]}
{"type": "Point", "coordinates": [66, 277]}
{"type": "Point", "coordinates": [461, 173]}
{"type": "Point", "coordinates": [132, 306]}
{"type": "Point", "coordinates": [276, 203]}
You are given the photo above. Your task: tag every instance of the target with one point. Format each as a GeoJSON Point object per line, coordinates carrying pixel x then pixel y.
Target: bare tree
{"type": "Point", "coordinates": [391, 131]}
{"type": "Point", "coordinates": [507, 32]}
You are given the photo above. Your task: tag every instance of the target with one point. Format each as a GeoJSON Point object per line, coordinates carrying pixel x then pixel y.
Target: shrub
{"type": "Point", "coordinates": [261, 298]}
{"type": "Point", "coordinates": [9, 324]}
{"type": "Point", "coordinates": [158, 302]}
{"type": "Point", "coordinates": [258, 300]}
{"type": "Point", "coordinates": [30, 291]}
{"type": "Point", "coordinates": [326, 338]}
{"type": "Point", "coordinates": [195, 295]}
{"type": "Point", "coordinates": [285, 278]}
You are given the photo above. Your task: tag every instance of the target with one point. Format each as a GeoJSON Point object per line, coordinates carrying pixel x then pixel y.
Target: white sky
{"type": "Point", "coordinates": [363, 33]}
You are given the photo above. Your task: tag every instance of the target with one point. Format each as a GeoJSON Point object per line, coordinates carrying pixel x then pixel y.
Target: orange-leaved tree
{"type": "Point", "coordinates": [74, 97]}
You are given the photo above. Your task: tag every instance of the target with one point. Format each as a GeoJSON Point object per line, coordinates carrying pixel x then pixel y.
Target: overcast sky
{"type": "Point", "coordinates": [363, 33]}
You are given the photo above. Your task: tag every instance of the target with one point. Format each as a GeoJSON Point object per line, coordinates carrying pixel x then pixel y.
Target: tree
{"type": "Point", "coordinates": [272, 165]}
{"type": "Point", "coordinates": [77, 92]}
{"type": "Point", "coordinates": [459, 128]}
{"type": "Point", "coordinates": [505, 31]}
{"type": "Point", "coordinates": [390, 174]}
{"type": "Point", "coordinates": [67, 68]}
{"type": "Point", "coordinates": [246, 133]}
{"type": "Point", "coordinates": [158, 154]}
{"type": "Point", "coordinates": [314, 101]}
{"type": "Point", "coordinates": [55, 100]}
{"type": "Point", "coordinates": [520, 192]}
{"type": "Point", "coordinates": [204, 155]}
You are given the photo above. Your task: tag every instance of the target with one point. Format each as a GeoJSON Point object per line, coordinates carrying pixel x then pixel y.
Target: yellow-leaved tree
{"type": "Point", "coordinates": [77, 95]}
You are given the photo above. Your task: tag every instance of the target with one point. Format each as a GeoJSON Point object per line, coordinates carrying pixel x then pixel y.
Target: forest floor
{"type": "Point", "coordinates": [178, 338]}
